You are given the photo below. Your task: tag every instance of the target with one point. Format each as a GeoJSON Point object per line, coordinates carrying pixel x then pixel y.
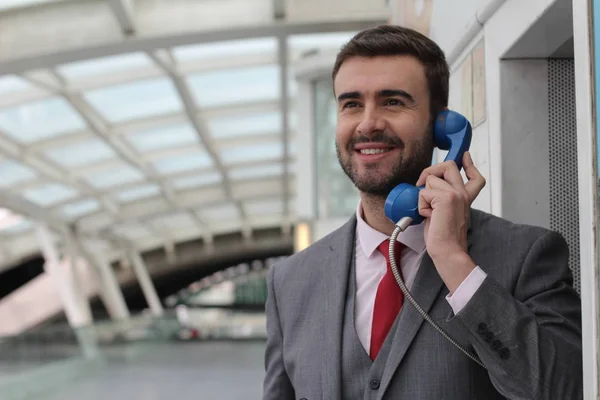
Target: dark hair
{"type": "Point", "coordinates": [390, 40]}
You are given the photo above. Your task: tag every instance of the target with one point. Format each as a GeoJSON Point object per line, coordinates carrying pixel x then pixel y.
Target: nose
{"type": "Point", "coordinates": [371, 122]}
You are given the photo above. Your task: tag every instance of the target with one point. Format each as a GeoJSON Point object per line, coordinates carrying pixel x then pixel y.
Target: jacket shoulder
{"type": "Point", "coordinates": [499, 231]}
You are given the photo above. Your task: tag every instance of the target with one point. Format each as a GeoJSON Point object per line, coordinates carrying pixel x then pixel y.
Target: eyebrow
{"type": "Point", "coordinates": [381, 93]}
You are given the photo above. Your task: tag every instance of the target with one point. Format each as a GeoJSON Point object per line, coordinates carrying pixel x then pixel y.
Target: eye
{"type": "Point", "coordinates": [393, 102]}
{"type": "Point", "coordinates": [350, 104]}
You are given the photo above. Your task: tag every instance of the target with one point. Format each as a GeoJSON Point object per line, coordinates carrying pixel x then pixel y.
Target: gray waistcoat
{"type": "Point", "coordinates": [360, 375]}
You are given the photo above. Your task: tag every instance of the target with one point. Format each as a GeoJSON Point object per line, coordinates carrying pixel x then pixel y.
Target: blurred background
{"type": "Point", "coordinates": [157, 157]}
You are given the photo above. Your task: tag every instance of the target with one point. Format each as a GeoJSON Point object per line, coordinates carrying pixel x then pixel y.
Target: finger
{"type": "Point", "coordinates": [475, 181]}
{"type": "Point", "coordinates": [427, 199]}
{"type": "Point", "coordinates": [424, 204]}
{"type": "Point", "coordinates": [433, 182]}
{"type": "Point", "coordinates": [446, 170]}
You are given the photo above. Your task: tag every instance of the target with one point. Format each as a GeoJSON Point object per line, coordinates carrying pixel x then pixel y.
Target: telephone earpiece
{"type": "Point", "coordinates": [452, 131]}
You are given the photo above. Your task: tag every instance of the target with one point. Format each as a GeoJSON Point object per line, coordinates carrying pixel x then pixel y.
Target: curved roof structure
{"type": "Point", "coordinates": [149, 123]}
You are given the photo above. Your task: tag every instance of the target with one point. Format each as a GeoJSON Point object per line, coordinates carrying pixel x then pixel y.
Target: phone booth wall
{"type": "Point", "coordinates": [586, 39]}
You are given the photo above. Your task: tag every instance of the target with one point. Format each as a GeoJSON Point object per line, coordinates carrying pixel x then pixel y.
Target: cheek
{"type": "Point", "coordinates": [410, 130]}
{"type": "Point", "coordinates": [343, 132]}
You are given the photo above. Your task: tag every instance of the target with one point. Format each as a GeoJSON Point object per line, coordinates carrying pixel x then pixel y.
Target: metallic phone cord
{"type": "Point", "coordinates": [400, 227]}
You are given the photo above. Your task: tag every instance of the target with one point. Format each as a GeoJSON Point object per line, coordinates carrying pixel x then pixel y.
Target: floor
{"type": "Point", "coordinates": [208, 370]}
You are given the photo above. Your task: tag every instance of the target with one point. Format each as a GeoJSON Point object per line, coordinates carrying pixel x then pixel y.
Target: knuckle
{"type": "Point", "coordinates": [456, 196]}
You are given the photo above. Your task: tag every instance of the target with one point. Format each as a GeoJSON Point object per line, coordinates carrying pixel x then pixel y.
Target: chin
{"type": "Point", "coordinates": [380, 188]}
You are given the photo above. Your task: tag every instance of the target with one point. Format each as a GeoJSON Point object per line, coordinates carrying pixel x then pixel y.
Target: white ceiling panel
{"type": "Point", "coordinates": [49, 194]}
{"type": "Point", "coordinates": [183, 162]}
{"type": "Point", "coordinates": [113, 176]}
{"type": "Point", "coordinates": [197, 180]}
{"type": "Point", "coordinates": [255, 153]}
{"type": "Point", "coordinates": [163, 137]}
{"type": "Point", "coordinates": [231, 48]}
{"type": "Point", "coordinates": [135, 100]}
{"type": "Point", "coordinates": [137, 193]}
{"type": "Point", "coordinates": [80, 208]}
{"type": "Point", "coordinates": [260, 171]}
{"type": "Point", "coordinates": [245, 125]}
{"type": "Point", "coordinates": [103, 66]}
{"type": "Point", "coordinates": [13, 173]}
{"type": "Point", "coordinates": [235, 86]}
{"type": "Point", "coordinates": [80, 153]}
{"type": "Point", "coordinates": [40, 120]}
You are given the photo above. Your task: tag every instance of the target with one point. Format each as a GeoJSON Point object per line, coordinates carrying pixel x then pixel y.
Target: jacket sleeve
{"type": "Point", "coordinates": [276, 385]}
{"type": "Point", "coordinates": [530, 339]}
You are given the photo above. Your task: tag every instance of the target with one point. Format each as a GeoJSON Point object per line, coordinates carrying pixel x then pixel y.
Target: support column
{"type": "Point", "coordinates": [75, 305]}
{"type": "Point", "coordinates": [110, 291]}
{"type": "Point", "coordinates": [141, 271]}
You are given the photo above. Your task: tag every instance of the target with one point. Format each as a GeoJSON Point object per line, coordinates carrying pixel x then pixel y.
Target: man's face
{"type": "Point", "coordinates": [384, 134]}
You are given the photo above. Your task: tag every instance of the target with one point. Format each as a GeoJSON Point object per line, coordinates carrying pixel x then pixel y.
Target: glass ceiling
{"type": "Point", "coordinates": [141, 150]}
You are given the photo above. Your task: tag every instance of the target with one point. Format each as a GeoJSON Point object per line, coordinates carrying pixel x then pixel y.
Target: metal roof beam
{"type": "Point", "coordinates": [124, 12]}
{"type": "Point", "coordinates": [30, 210]}
{"type": "Point", "coordinates": [171, 39]}
{"type": "Point", "coordinates": [194, 116]}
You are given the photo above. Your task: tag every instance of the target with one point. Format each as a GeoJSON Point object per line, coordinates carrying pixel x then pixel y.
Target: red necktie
{"type": "Point", "coordinates": [388, 301]}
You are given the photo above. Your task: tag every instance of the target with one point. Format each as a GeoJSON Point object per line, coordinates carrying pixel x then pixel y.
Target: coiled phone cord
{"type": "Point", "coordinates": [400, 227]}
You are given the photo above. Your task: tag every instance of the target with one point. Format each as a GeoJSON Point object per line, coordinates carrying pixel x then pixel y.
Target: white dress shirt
{"type": "Point", "coordinates": [371, 266]}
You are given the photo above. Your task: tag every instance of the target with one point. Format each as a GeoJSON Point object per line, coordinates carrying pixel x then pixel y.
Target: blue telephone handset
{"type": "Point", "coordinates": [452, 131]}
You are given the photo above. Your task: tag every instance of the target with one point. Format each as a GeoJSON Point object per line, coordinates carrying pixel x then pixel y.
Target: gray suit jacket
{"type": "Point", "coordinates": [526, 306]}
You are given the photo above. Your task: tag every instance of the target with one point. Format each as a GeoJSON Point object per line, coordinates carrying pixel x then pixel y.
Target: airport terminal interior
{"type": "Point", "coordinates": [158, 157]}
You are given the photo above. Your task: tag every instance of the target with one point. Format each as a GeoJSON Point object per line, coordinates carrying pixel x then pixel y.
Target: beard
{"type": "Point", "coordinates": [407, 168]}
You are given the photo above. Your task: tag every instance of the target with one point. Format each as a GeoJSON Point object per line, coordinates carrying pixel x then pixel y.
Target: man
{"type": "Point", "coordinates": [338, 327]}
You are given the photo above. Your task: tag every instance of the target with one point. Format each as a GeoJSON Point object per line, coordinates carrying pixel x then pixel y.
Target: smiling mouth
{"type": "Point", "coordinates": [375, 151]}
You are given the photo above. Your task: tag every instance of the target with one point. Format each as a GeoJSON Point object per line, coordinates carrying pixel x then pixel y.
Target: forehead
{"type": "Point", "coordinates": [370, 74]}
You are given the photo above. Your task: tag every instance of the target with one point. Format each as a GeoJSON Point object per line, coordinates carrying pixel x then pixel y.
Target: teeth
{"type": "Point", "coordinates": [374, 151]}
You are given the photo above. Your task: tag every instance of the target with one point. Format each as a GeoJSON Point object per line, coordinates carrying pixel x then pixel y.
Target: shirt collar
{"type": "Point", "coordinates": [370, 239]}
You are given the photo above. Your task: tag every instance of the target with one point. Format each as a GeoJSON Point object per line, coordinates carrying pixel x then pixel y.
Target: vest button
{"type": "Point", "coordinates": [374, 384]}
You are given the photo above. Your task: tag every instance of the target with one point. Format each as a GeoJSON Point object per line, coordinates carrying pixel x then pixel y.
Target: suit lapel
{"type": "Point", "coordinates": [425, 290]}
{"type": "Point", "coordinates": [335, 271]}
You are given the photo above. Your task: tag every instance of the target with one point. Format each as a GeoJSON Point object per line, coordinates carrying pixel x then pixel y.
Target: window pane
{"type": "Point", "coordinates": [245, 125]}
{"type": "Point", "coordinates": [165, 137]}
{"type": "Point", "coordinates": [232, 86]}
{"type": "Point", "coordinates": [183, 162]}
{"type": "Point", "coordinates": [50, 193]}
{"type": "Point", "coordinates": [135, 100]}
{"type": "Point", "coordinates": [302, 44]}
{"type": "Point", "coordinates": [231, 48]}
{"type": "Point", "coordinates": [88, 151]}
{"type": "Point", "coordinates": [103, 66]}
{"type": "Point", "coordinates": [262, 171]}
{"type": "Point", "coordinates": [11, 84]}
{"type": "Point", "coordinates": [13, 173]}
{"type": "Point", "coordinates": [40, 120]}
{"type": "Point", "coordinates": [80, 208]}
{"type": "Point", "coordinates": [113, 176]}
{"type": "Point", "coordinates": [252, 153]}
{"type": "Point", "coordinates": [197, 181]}
{"type": "Point", "coordinates": [137, 193]}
